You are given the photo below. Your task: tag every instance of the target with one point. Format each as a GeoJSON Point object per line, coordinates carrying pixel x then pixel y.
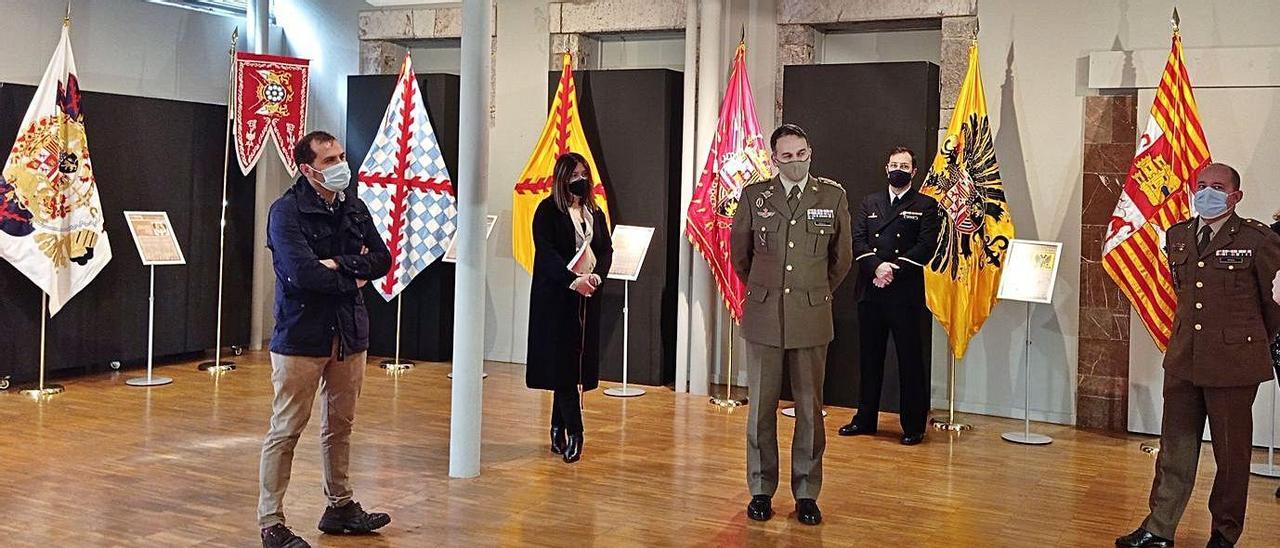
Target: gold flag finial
{"type": "Point", "coordinates": [1175, 20]}
{"type": "Point", "coordinates": [235, 39]}
{"type": "Point", "coordinates": [66, 20]}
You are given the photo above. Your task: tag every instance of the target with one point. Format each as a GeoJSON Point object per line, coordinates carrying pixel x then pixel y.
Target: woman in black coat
{"type": "Point", "coordinates": [564, 319]}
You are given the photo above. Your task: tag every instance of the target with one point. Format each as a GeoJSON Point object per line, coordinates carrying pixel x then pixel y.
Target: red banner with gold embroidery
{"type": "Point", "coordinates": [270, 101]}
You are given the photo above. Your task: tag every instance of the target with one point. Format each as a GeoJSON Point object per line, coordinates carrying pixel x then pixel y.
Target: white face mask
{"type": "Point", "coordinates": [335, 178]}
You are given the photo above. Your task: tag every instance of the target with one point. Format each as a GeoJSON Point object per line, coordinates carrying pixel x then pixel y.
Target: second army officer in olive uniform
{"type": "Point", "coordinates": [791, 244]}
{"type": "Point", "coordinates": [1218, 355]}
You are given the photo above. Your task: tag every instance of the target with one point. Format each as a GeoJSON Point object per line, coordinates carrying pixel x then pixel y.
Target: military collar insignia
{"type": "Point", "coordinates": [768, 193]}
{"type": "Point", "coordinates": [760, 201]}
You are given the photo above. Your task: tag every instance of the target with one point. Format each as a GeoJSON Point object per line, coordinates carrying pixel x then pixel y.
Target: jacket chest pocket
{"type": "Point", "coordinates": [355, 229]}
{"type": "Point", "coordinates": [1236, 272]}
{"type": "Point", "coordinates": [764, 233]}
{"type": "Point", "coordinates": [819, 237]}
{"type": "Point", "coordinates": [1177, 267]}
{"type": "Point", "coordinates": [319, 236]}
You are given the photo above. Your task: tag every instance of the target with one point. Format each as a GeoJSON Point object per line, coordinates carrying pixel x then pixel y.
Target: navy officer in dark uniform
{"type": "Point", "coordinates": [895, 233]}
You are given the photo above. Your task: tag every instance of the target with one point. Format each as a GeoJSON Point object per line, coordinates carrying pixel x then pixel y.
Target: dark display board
{"type": "Point", "coordinates": [427, 316]}
{"type": "Point", "coordinates": [854, 114]}
{"type": "Point", "coordinates": [633, 123]}
{"type": "Point", "coordinates": [148, 154]}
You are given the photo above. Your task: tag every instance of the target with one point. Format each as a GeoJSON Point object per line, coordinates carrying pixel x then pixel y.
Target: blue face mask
{"type": "Point", "coordinates": [1210, 202]}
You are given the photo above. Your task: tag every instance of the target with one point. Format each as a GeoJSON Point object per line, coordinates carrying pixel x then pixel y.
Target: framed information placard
{"type": "Point", "coordinates": [630, 245]}
{"type": "Point", "coordinates": [153, 234]}
{"type": "Point", "coordinates": [451, 256]}
{"type": "Point", "coordinates": [1030, 271]}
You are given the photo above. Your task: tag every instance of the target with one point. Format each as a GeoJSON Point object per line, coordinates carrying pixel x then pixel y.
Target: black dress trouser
{"type": "Point", "coordinates": [877, 321]}
{"type": "Point", "coordinates": [566, 410]}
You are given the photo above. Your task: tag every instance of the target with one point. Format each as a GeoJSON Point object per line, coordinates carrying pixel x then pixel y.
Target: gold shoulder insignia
{"type": "Point", "coordinates": [829, 182]}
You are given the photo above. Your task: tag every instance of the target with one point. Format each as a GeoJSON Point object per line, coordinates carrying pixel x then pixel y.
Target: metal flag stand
{"type": "Point", "coordinates": [396, 365]}
{"type": "Point", "coordinates": [1026, 436]}
{"type": "Point", "coordinates": [951, 424]}
{"type": "Point", "coordinates": [728, 401]}
{"type": "Point", "coordinates": [218, 365]}
{"type": "Point", "coordinates": [149, 380]}
{"type": "Point", "coordinates": [1269, 469]}
{"type": "Point", "coordinates": [40, 390]}
{"type": "Point", "coordinates": [626, 391]}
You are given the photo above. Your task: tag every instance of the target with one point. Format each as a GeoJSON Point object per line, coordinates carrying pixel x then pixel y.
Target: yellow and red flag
{"type": "Point", "coordinates": [563, 133]}
{"type": "Point", "coordinates": [962, 279]}
{"type": "Point", "coordinates": [738, 157]}
{"type": "Point", "coordinates": [1156, 195]}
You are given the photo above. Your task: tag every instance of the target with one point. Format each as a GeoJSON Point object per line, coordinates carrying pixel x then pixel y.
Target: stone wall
{"type": "Point", "coordinates": [1102, 392]}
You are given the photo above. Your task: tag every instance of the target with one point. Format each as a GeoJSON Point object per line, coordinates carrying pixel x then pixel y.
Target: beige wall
{"type": "Point", "coordinates": [1034, 60]}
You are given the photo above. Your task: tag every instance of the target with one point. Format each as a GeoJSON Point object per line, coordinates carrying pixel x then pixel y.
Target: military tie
{"type": "Point", "coordinates": [893, 202]}
{"type": "Point", "coordinates": [1206, 236]}
{"type": "Point", "coordinates": [793, 199]}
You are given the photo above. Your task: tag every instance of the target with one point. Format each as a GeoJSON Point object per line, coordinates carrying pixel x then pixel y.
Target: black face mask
{"type": "Point", "coordinates": [578, 187]}
{"type": "Point", "coordinates": [899, 178]}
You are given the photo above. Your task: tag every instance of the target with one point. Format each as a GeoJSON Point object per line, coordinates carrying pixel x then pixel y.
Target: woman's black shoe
{"type": "Point", "coordinates": [573, 451]}
{"type": "Point", "coordinates": [557, 440]}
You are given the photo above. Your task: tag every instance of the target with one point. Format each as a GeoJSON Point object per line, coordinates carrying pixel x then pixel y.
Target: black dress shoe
{"type": "Point", "coordinates": [1143, 538]}
{"type": "Point", "coordinates": [807, 512]}
{"type": "Point", "coordinates": [1219, 541]}
{"type": "Point", "coordinates": [912, 439]}
{"type": "Point", "coordinates": [573, 450]}
{"type": "Point", "coordinates": [351, 519]}
{"type": "Point", "coordinates": [855, 429]}
{"type": "Point", "coordinates": [279, 536]}
{"type": "Point", "coordinates": [760, 508]}
{"type": "Point", "coordinates": [558, 440]}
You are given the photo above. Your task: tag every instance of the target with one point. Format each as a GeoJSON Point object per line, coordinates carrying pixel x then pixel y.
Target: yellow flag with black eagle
{"type": "Point", "coordinates": [962, 279]}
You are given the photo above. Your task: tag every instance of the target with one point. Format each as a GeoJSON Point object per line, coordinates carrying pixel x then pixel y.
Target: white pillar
{"type": "Point", "coordinates": [688, 180]}
{"type": "Point", "coordinates": [704, 297]}
{"type": "Point", "coordinates": [267, 187]}
{"type": "Point", "coordinates": [468, 326]}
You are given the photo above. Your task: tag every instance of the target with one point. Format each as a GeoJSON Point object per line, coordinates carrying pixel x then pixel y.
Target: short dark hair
{"type": "Point", "coordinates": [1235, 175]}
{"type": "Point", "coordinates": [900, 150]}
{"type": "Point", "coordinates": [303, 153]}
{"type": "Point", "coordinates": [784, 130]}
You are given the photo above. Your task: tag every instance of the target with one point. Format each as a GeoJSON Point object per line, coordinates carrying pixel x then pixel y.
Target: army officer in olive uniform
{"type": "Point", "coordinates": [895, 234]}
{"type": "Point", "coordinates": [791, 244]}
{"type": "Point", "coordinates": [1218, 354]}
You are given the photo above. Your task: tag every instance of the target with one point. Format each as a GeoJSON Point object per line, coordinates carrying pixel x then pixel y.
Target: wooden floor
{"type": "Point", "coordinates": [107, 464]}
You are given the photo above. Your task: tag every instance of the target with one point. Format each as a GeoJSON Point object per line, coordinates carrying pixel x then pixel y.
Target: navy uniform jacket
{"type": "Point", "coordinates": [1226, 319]}
{"type": "Point", "coordinates": [906, 234]}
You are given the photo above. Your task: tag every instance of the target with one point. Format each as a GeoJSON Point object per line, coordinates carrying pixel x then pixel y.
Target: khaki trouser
{"type": "Point", "coordinates": [1230, 413]}
{"type": "Point", "coordinates": [296, 379]}
{"type": "Point", "coordinates": [764, 379]}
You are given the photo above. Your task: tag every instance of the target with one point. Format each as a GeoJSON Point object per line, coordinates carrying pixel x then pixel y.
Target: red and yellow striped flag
{"type": "Point", "coordinates": [1157, 195]}
{"type": "Point", "coordinates": [563, 133]}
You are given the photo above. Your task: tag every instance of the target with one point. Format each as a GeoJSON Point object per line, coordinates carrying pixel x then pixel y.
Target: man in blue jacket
{"type": "Point", "coordinates": [324, 248]}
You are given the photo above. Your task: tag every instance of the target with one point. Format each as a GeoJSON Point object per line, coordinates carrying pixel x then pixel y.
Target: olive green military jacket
{"type": "Point", "coordinates": [791, 261]}
{"type": "Point", "coordinates": [1225, 319]}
